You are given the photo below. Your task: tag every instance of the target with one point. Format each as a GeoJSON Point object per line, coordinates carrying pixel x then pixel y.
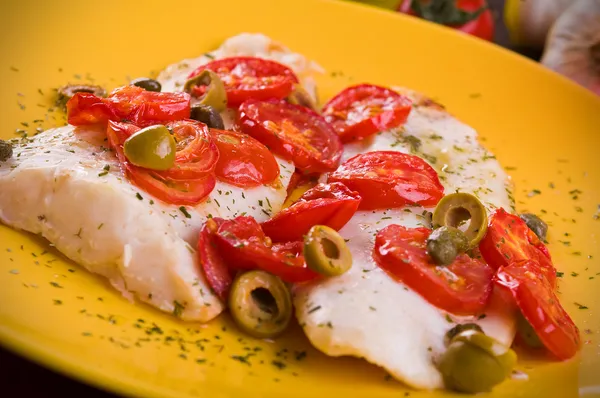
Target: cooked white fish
{"type": "Point", "coordinates": [367, 314]}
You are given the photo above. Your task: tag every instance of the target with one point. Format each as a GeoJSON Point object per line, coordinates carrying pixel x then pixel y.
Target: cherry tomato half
{"type": "Point", "coordinates": [243, 244]}
{"type": "Point", "coordinates": [463, 288]}
{"type": "Point", "coordinates": [360, 111]}
{"type": "Point", "coordinates": [293, 132]}
{"type": "Point", "coordinates": [250, 77]}
{"type": "Point", "coordinates": [508, 239]}
{"type": "Point", "coordinates": [535, 297]}
{"type": "Point", "coordinates": [243, 161]}
{"type": "Point", "coordinates": [130, 103]}
{"type": "Point", "coordinates": [218, 275]}
{"type": "Point", "coordinates": [332, 205]}
{"type": "Point", "coordinates": [388, 179]}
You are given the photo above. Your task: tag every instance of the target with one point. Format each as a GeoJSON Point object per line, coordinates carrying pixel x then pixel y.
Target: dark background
{"type": "Point", "coordinates": [22, 378]}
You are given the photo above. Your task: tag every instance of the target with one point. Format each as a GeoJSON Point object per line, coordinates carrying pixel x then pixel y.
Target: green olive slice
{"type": "Point", "coordinates": [456, 209]}
{"type": "Point", "coordinates": [6, 150]}
{"type": "Point", "coordinates": [260, 304]}
{"type": "Point", "coordinates": [65, 93]}
{"type": "Point", "coordinates": [460, 328]}
{"type": "Point", "coordinates": [152, 147]}
{"type": "Point", "coordinates": [301, 97]}
{"type": "Point", "coordinates": [326, 252]}
{"type": "Point", "coordinates": [527, 333]}
{"type": "Point", "coordinates": [207, 115]}
{"type": "Point", "coordinates": [215, 94]}
{"type": "Point", "coordinates": [474, 362]}
{"type": "Point", "coordinates": [536, 224]}
{"type": "Point", "coordinates": [445, 243]}
{"type": "Point", "coordinates": [147, 84]}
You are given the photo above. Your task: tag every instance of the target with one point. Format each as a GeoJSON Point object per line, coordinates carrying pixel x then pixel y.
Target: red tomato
{"type": "Point", "coordinates": [217, 273]}
{"type": "Point", "coordinates": [243, 161]}
{"type": "Point", "coordinates": [325, 204]}
{"type": "Point", "coordinates": [189, 191]}
{"type": "Point", "coordinates": [360, 111]}
{"type": "Point", "coordinates": [293, 132]}
{"type": "Point", "coordinates": [456, 14]}
{"type": "Point", "coordinates": [250, 77]}
{"type": "Point", "coordinates": [463, 288]}
{"type": "Point", "coordinates": [508, 239]}
{"type": "Point", "coordinates": [130, 103]}
{"type": "Point", "coordinates": [387, 179]}
{"type": "Point", "coordinates": [535, 296]}
{"type": "Point", "coordinates": [244, 245]}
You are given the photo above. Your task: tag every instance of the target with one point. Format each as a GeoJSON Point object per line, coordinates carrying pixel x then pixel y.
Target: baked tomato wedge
{"type": "Point", "coordinates": [128, 103]}
{"type": "Point", "coordinates": [325, 204]}
{"type": "Point", "coordinates": [249, 77]}
{"type": "Point", "coordinates": [243, 161]}
{"type": "Point", "coordinates": [243, 245]}
{"type": "Point", "coordinates": [360, 111]}
{"type": "Point", "coordinates": [218, 275]}
{"type": "Point", "coordinates": [293, 132]}
{"type": "Point", "coordinates": [535, 297]}
{"type": "Point", "coordinates": [388, 179]}
{"type": "Point", "coordinates": [462, 288]}
{"type": "Point", "coordinates": [508, 239]}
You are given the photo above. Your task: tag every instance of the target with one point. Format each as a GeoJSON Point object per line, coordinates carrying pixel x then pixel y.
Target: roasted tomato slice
{"type": "Point", "coordinates": [250, 77]}
{"type": "Point", "coordinates": [130, 103]}
{"type": "Point", "coordinates": [509, 239]}
{"type": "Point", "coordinates": [535, 297]}
{"type": "Point", "coordinates": [325, 204]}
{"type": "Point", "coordinates": [189, 191]}
{"type": "Point", "coordinates": [462, 288]}
{"type": "Point", "coordinates": [293, 132]}
{"type": "Point", "coordinates": [388, 179]}
{"type": "Point", "coordinates": [244, 245]}
{"type": "Point", "coordinates": [243, 161]}
{"type": "Point", "coordinates": [360, 111]}
{"type": "Point", "coordinates": [218, 275]}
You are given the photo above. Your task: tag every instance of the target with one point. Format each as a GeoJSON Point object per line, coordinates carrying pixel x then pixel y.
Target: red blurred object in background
{"type": "Point", "coordinates": [469, 16]}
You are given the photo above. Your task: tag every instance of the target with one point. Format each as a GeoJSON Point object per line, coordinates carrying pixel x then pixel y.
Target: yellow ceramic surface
{"type": "Point", "coordinates": [542, 128]}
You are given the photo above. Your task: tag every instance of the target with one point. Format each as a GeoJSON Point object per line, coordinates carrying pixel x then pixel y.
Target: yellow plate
{"type": "Point", "coordinates": [543, 128]}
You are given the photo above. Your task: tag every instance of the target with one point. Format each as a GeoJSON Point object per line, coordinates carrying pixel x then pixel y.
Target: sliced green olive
{"type": "Point", "coordinates": [215, 94]}
{"type": "Point", "coordinates": [147, 84]}
{"type": "Point", "coordinates": [474, 362]}
{"type": "Point", "coordinates": [445, 243]}
{"type": "Point", "coordinates": [460, 328]}
{"type": "Point", "coordinates": [260, 304]}
{"type": "Point", "coordinates": [527, 333]}
{"type": "Point", "coordinates": [6, 150]}
{"type": "Point", "coordinates": [326, 252]}
{"type": "Point", "coordinates": [301, 97]}
{"type": "Point", "coordinates": [539, 227]}
{"type": "Point", "coordinates": [66, 92]}
{"type": "Point", "coordinates": [152, 147]}
{"type": "Point", "coordinates": [456, 209]}
{"type": "Point", "coordinates": [207, 115]}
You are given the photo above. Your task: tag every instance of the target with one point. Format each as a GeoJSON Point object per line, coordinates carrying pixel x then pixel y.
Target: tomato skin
{"type": "Point", "coordinates": [401, 252]}
{"type": "Point", "coordinates": [535, 297]}
{"type": "Point", "coordinates": [509, 239]}
{"type": "Point", "coordinates": [365, 109]}
{"type": "Point", "coordinates": [215, 270]}
{"type": "Point", "coordinates": [293, 132]}
{"type": "Point", "coordinates": [482, 26]}
{"type": "Point", "coordinates": [243, 245]}
{"type": "Point", "coordinates": [130, 103]}
{"type": "Point", "coordinates": [250, 78]}
{"type": "Point", "coordinates": [388, 179]}
{"type": "Point", "coordinates": [243, 161]}
{"type": "Point", "coordinates": [332, 205]}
